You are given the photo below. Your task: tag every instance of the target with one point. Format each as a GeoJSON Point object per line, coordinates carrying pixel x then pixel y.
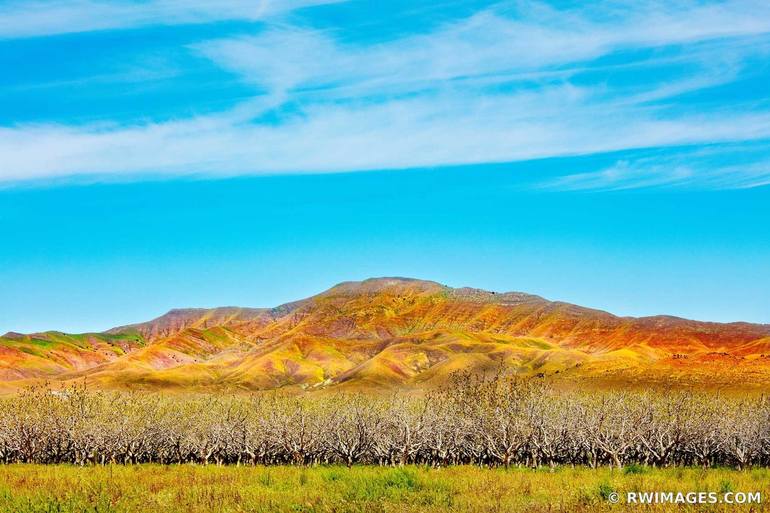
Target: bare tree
{"type": "Point", "coordinates": [497, 421]}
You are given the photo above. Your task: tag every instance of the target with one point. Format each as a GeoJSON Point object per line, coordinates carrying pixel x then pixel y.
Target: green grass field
{"type": "Point", "coordinates": [370, 489]}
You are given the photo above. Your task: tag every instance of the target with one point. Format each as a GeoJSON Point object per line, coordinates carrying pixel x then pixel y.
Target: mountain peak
{"type": "Point", "coordinates": [401, 285]}
{"type": "Point", "coordinates": [385, 284]}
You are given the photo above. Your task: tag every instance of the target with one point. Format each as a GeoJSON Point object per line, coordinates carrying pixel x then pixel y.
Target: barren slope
{"type": "Point", "coordinates": [393, 332]}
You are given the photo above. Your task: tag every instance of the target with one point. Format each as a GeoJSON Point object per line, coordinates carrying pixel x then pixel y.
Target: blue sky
{"type": "Point", "coordinates": [161, 154]}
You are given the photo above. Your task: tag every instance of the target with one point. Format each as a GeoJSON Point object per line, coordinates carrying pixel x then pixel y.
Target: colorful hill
{"type": "Point", "coordinates": [391, 333]}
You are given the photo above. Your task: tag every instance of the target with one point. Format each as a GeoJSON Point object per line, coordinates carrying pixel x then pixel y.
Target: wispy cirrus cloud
{"type": "Point", "coordinates": [509, 83]}
{"type": "Point", "coordinates": [488, 47]}
{"type": "Point", "coordinates": [31, 18]}
{"type": "Point", "coordinates": [675, 171]}
{"type": "Point", "coordinates": [406, 133]}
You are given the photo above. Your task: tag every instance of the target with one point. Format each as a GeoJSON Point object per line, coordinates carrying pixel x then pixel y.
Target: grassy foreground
{"type": "Point", "coordinates": [191, 489]}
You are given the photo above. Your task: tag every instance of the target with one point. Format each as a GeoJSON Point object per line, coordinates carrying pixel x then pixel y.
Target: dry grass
{"type": "Point", "coordinates": [192, 489]}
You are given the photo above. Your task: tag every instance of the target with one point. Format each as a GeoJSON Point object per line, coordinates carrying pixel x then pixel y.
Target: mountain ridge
{"type": "Point", "coordinates": [393, 332]}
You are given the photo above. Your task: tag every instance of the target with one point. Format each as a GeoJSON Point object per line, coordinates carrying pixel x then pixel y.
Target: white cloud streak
{"type": "Point", "coordinates": [20, 18]}
{"type": "Point", "coordinates": [672, 171]}
{"type": "Point", "coordinates": [485, 45]}
{"type": "Point", "coordinates": [496, 87]}
{"type": "Point", "coordinates": [406, 133]}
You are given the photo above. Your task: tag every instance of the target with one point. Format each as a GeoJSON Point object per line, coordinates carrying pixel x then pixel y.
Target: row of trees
{"type": "Point", "coordinates": [495, 422]}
